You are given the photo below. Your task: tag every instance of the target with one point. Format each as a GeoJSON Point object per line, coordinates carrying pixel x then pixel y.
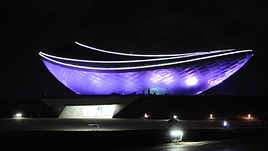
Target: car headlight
{"type": "Point", "coordinates": [176, 133]}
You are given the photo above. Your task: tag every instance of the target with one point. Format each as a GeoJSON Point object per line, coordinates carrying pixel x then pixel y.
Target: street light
{"type": "Point", "coordinates": [18, 115]}
{"type": "Point", "coordinates": [146, 116]}
{"type": "Point", "coordinates": [225, 124]}
{"type": "Point", "coordinates": [249, 116]}
{"type": "Point", "coordinates": [211, 116]}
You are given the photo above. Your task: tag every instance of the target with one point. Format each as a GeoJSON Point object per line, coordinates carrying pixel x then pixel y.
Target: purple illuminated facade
{"type": "Point", "coordinates": [189, 74]}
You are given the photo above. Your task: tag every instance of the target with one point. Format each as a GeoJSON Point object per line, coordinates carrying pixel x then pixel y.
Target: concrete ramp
{"type": "Point", "coordinates": [89, 106]}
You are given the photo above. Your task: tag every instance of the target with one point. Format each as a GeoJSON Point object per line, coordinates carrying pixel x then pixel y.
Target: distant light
{"type": "Point", "coordinates": [211, 116]}
{"type": "Point", "coordinates": [175, 116]}
{"type": "Point", "coordinates": [191, 81]}
{"type": "Point", "coordinates": [146, 115]}
{"type": "Point", "coordinates": [225, 124]}
{"type": "Point", "coordinates": [17, 115]}
{"type": "Point", "coordinates": [249, 116]}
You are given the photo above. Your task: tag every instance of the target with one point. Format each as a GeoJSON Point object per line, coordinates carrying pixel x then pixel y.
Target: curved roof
{"type": "Point", "coordinates": [156, 61]}
{"type": "Point", "coordinates": [180, 74]}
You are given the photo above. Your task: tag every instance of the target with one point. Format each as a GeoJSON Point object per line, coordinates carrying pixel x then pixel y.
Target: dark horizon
{"type": "Point", "coordinates": [186, 107]}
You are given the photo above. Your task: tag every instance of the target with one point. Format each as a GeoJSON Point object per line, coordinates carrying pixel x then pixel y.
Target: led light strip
{"type": "Point", "coordinates": [131, 61]}
{"type": "Point", "coordinates": [141, 55]}
{"type": "Point", "coordinates": [149, 66]}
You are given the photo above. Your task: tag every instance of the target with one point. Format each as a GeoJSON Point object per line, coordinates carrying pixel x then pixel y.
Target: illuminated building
{"type": "Point", "coordinates": [179, 74]}
{"type": "Point", "coordinates": [175, 74]}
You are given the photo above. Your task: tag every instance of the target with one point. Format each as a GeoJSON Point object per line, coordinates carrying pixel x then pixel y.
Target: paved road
{"type": "Point", "coordinates": [47, 134]}
{"type": "Point", "coordinates": [241, 144]}
{"type": "Point", "coordinates": [252, 143]}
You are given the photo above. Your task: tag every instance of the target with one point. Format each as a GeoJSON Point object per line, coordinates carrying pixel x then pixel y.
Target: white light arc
{"type": "Point", "coordinates": [148, 66]}
{"type": "Point", "coordinates": [132, 61]}
{"type": "Point", "coordinates": [143, 55]}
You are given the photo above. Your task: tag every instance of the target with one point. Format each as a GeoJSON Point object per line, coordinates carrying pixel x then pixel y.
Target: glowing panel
{"type": "Point", "coordinates": [88, 111]}
{"type": "Point", "coordinates": [192, 80]}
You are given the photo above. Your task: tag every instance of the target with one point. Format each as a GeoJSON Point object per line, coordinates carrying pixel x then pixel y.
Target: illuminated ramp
{"type": "Point", "coordinates": [90, 106]}
{"type": "Point", "coordinates": [90, 111]}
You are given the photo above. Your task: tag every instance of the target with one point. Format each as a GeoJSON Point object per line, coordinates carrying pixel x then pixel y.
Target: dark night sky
{"type": "Point", "coordinates": [144, 27]}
